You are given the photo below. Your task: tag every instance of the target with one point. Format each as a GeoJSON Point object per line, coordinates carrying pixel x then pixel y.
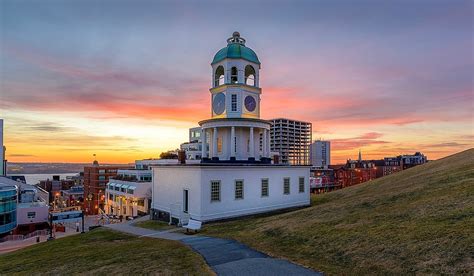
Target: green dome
{"type": "Point", "coordinates": [236, 49]}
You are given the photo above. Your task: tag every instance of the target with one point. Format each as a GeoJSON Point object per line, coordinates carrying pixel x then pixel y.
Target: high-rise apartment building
{"type": "Point", "coordinates": [320, 154]}
{"type": "Point", "coordinates": [291, 139]}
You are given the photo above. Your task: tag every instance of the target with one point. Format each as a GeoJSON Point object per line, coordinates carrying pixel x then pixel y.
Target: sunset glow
{"type": "Point", "coordinates": [126, 81]}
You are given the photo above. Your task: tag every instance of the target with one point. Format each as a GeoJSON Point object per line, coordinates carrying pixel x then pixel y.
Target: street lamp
{"type": "Point", "coordinates": [98, 200]}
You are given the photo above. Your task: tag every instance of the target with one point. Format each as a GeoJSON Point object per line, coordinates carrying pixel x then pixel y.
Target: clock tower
{"type": "Point", "coordinates": [235, 131]}
{"type": "Point", "coordinates": [235, 91]}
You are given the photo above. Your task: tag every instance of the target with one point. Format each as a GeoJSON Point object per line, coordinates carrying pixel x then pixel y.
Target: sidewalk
{"type": "Point", "coordinates": [225, 257]}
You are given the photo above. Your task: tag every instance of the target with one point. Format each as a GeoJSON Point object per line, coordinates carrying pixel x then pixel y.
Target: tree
{"type": "Point", "coordinates": [168, 155]}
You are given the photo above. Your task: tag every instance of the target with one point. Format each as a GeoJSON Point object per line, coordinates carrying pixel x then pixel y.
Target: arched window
{"type": "Point", "coordinates": [233, 75]}
{"type": "Point", "coordinates": [250, 75]}
{"type": "Point", "coordinates": [219, 76]}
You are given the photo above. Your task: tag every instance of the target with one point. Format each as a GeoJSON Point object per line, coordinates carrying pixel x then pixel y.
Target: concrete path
{"type": "Point", "coordinates": [225, 257]}
{"type": "Point", "coordinates": [143, 232]}
{"type": "Point", "coordinates": [228, 257]}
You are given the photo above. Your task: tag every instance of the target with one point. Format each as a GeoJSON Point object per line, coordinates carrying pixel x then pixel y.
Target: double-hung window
{"type": "Point", "coordinates": [234, 102]}
{"type": "Point", "coordinates": [301, 184]}
{"type": "Point", "coordinates": [264, 192]}
{"type": "Point", "coordinates": [286, 185]}
{"type": "Point", "coordinates": [239, 189]}
{"type": "Point", "coordinates": [215, 190]}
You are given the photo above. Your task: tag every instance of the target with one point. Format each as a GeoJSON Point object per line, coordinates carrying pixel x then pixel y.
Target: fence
{"type": "Point", "coordinates": [24, 237]}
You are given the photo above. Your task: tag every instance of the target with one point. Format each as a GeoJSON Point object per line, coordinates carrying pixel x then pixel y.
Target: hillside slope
{"type": "Point", "coordinates": [420, 220]}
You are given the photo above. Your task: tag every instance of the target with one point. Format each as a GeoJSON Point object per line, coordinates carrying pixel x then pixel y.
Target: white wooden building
{"type": "Point", "coordinates": [235, 176]}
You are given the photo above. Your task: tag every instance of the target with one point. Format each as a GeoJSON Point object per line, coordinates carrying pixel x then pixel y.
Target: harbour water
{"type": "Point", "coordinates": [33, 179]}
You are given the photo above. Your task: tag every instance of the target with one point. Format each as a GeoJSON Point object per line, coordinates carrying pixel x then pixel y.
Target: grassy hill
{"type": "Point", "coordinates": [420, 220]}
{"type": "Point", "coordinates": [104, 252]}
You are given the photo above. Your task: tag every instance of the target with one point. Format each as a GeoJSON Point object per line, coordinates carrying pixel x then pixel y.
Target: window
{"type": "Point", "coordinates": [130, 191]}
{"type": "Point", "coordinates": [264, 187]}
{"type": "Point", "coordinates": [234, 102]}
{"type": "Point", "coordinates": [101, 171]}
{"type": "Point", "coordinates": [286, 185]}
{"type": "Point", "coordinates": [219, 76]}
{"type": "Point", "coordinates": [111, 197]}
{"type": "Point", "coordinates": [141, 202]}
{"type": "Point", "coordinates": [31, 215]}
{"type": "Point", "coordinates": [215, 190]}
{"type": "Point", "coordinates": [301, 184]}
{"type": "Point", "coordinates": [219, 145]}
{"type": "Point", "coordinates": [233, 75]}
{"type": "Point", "coordinates": [250, 75]}
{"type": "Point", "coordinates": [239, 189]}
{"type": "Point", "coordinates": [101, 177]}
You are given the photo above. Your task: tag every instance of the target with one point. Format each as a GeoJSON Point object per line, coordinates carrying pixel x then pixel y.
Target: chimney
{"type": "Point", "coordinates": [181, 157]}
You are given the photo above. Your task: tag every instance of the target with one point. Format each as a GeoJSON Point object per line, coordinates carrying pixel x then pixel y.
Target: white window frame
{"type": "Point", "coordinates": [301, 186]}
{"type": "Point", "coordinates": [285, 184]}
{"type": "Point", "coordinates": [235, 189]}
{"type": "Point", "coordinates": [218, 182]}
{"type": "Point", "coordinates": [233, 102]}
{"type": "Point", "coordinates": [268, 187]}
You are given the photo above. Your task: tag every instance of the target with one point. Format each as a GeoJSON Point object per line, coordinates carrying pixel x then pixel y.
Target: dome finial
{"type": "Point", "coordinates": [236, 39]}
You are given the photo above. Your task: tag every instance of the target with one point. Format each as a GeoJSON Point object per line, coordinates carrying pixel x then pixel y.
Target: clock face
{"type": "Point", "coordinates": [218, 104]}
{"type": "Point", "coordinates": [250, 103]}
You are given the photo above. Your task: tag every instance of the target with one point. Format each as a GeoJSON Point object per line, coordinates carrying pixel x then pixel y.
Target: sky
{"type": "Point", "coordinates": [126, 79]}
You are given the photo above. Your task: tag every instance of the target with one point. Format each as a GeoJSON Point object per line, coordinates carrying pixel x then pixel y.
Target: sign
{"type": "Point", "coordinates": [66, 216]}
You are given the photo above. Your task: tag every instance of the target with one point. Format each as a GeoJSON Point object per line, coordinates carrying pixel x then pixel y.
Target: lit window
{"type": "Point", "coordinates": [301, 184]}
{"type": "Point", "coordinates": [286, 185]}
{"type": "Point", "coordinates": [215, 190]}
{"type": "Point", "coordinates": [219, 145]}
{"type": "Point", "coordinates": [264, 187]}
{"type": "Point", "coordinates": [239, 189]}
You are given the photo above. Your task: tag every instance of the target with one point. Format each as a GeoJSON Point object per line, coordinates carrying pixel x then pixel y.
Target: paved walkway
{"type": "Point", "coordinates": [225, 257]}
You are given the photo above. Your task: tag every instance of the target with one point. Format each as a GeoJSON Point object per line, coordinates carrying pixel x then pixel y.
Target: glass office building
{"type": "Point", "coordinates": [8, 207]}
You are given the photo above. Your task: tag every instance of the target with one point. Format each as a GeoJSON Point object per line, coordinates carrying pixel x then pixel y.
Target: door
{"type": "Point", "coordinates": [185, 200]}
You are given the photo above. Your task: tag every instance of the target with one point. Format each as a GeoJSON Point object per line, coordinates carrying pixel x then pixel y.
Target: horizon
{"type": "Point", "coordinates": [127, 80]}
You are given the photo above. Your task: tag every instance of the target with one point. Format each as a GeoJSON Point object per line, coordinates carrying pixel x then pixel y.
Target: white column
{"type": "Point", "coordinates": [214, 142]}
{"type": "Point", "coordinates": [252, 142]}
{"type": "Point", "coordinates": [232, 142]}
{"type": "Point", "coordinates": [203, 143]}
{"type": "Point", "coordinates": [267, 140]}
{"type": "Point", "coordinates": [264, 146]}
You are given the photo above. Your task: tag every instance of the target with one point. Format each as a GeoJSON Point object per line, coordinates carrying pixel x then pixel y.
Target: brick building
{"type": "Point", "coordinates": [55, 185]}
{"type": "Point", "coordinates": [354, 172]}
{"type": "Point", "coordinates": [96, 178]}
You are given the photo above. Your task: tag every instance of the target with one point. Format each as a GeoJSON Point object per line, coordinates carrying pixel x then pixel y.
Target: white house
{"type": "Point", "coordinates": [128, 194]}
{"type": "Point", "coordinates": [235, 176]}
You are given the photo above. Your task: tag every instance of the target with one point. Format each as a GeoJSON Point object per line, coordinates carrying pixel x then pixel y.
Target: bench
{"type": "Point", "coordinates": [193, 225]}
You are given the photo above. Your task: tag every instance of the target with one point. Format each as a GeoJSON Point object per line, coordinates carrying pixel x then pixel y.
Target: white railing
{"type": "Point", "coordinates": [24, 237]}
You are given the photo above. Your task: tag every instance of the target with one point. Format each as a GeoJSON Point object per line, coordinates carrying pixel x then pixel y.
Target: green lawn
{"type": "Point", "coordinates": [420, 220]}
{"type": "Point", "coordinates": [154, 225]}
{"type": "Point", "coordinates": [103, 251]}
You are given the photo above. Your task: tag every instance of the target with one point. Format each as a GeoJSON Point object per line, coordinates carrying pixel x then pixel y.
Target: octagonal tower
{"type": "Point", "coordinates": [235, 131]}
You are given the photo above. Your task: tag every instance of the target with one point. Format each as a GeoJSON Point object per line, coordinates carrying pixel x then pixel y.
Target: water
{"type": "Point", "coordinates": [33, 179]}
